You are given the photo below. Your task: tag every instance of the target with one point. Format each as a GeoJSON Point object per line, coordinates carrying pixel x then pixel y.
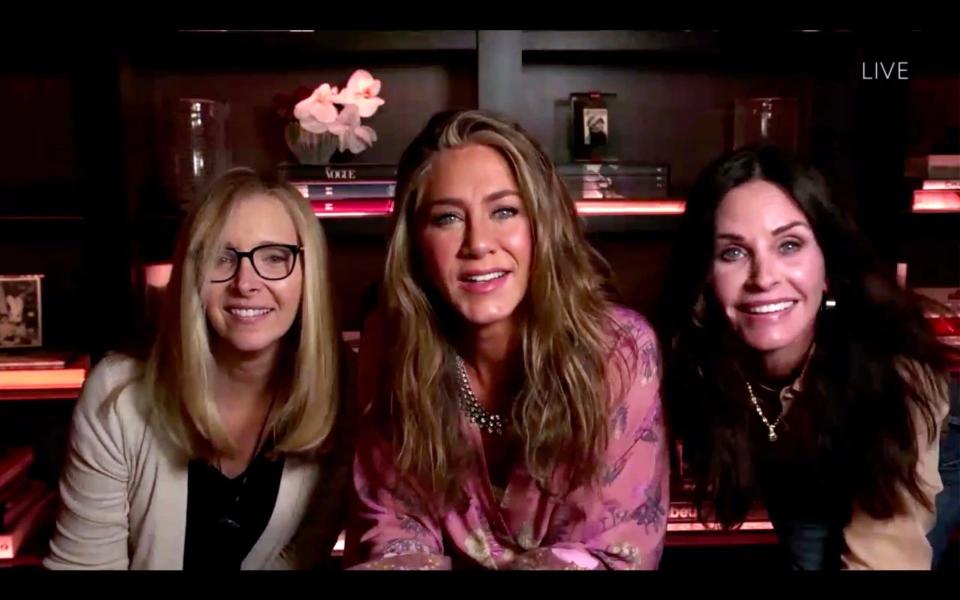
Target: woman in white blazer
{"type": "Point", "coordinates": [224, 448]}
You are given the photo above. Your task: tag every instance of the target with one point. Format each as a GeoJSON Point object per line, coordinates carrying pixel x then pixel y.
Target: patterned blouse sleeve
{"type": "Point", "coordinates": [389, 527]}
{"type": "Point", "coordinates": [620, 523]}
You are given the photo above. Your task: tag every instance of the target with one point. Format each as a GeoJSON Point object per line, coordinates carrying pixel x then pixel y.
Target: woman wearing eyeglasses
{"type": "Point", "coordinates": [220, 450]}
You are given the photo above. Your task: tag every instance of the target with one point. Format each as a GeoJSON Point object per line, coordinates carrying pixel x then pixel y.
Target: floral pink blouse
{"type": "Point", "coordinates": [619, 524]}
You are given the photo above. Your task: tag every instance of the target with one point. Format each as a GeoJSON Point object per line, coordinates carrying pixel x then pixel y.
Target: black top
{"type": "Point", "coordinates": [798, 488]}
{"type": "Point", "coordinates": [225, 517]}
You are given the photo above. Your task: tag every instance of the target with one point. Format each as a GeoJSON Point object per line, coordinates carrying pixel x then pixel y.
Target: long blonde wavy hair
{"type": "Point", "coordinates": [568, 336]}
{"type": "Point", "coordinates": [179, 371]}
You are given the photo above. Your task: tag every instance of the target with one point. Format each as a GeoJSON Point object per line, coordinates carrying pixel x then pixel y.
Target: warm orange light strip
{"type": "Point", "coordinates": [584, 207]}
{"type": "Point", "coordinates": [676, 527]}
{"type": "Point", "coordinates": [631, 207]}
{"type": "Point", "coordinates": [748, 526]}
{"type": "Point", "coordinates": [42, 379]}
{"type": "Point", "coordinates": [338, 215]}
{"type": "Point", "coordinates": [936, 201]}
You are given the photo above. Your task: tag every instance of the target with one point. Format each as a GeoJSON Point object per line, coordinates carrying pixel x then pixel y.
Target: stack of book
{"type": "Point", "coordinates": [945, 323]}
{"type": "Point", "coordinates": [348, 190]}
{"type": "Point", "coordinates": [683, 516]}
{"type": "Point", "coordinates": [940, 182]}
{"type": "Point", "coordinates": [616, 181]}
{"type": "Point", "coordinates": [26, 505]}
{"type": "Point", "coordinates": [42, 374]}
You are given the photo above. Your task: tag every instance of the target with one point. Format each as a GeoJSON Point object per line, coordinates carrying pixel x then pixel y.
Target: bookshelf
{"type": "Point", "coordinates": [35, 408]}
{"type": "Point", "coordinates": [95, 186]}
{"type": "Point", "coordinates": [83, 197]}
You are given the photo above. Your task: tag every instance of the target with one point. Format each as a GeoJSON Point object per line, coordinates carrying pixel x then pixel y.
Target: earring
{"type": "Point", "coordinates": [828, 303]}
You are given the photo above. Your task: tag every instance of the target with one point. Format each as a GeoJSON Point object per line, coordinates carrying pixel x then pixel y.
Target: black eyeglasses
{"type": "Point", "coordinates": [270, 261]}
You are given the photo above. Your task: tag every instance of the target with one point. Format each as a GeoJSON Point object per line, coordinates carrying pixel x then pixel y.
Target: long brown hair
{"type": "Point", "coordinates": [873, 382]}
{"type": "Point", "coordinates": [568, 336]}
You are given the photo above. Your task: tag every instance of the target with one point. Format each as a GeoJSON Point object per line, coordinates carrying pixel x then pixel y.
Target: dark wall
{"type": "Point", "coordinates": [85, 197]}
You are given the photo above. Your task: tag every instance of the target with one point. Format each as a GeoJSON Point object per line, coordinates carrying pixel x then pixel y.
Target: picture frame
{"type": "Point", "coordinates": [590, 126]}
{"type": "Point", "coordinates": [21, 311]}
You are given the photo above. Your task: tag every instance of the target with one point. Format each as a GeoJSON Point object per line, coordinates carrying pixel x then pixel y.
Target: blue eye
{"type": "Point", "coordinates": [790, 246]}
{"type": "Point", "coordinates": [444, 219]}
{"type": "Point", "coordinates": [505, 213]}
{"type": "Point", "coordinates": [731, 254]}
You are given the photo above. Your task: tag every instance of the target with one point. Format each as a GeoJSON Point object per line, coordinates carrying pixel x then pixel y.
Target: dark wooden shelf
{"type": "Point", "coordinates": [616, 41]}
{"type": "Point", "coordinates": [26, 561]}
{"type": "Point", "coordinates": [14, 218]}
{"type": "Point", "coordinates": [28, 229]}
{"type": "Point", "coordinates": [340, 40]}
{"type": "Point", "coordinates": [614, 224]}
{"type": "Point", "coordinates": [66, 393]}
{"type": "Point", "coordinates": [737, 537]}
{"type": "Point", "coordinates": [375, 226]}
{"type": "Point", "coordinates": [702, 43]}
{"type": "Point", "coordinates": [199, 49]}
{"type": "Point", "coordinates": [926, 46]}
{"type": "Point", "coordinates": [930, 226]}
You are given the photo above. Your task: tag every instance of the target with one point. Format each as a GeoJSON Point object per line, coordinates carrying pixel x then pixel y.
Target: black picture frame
{"type": "Point", "coordinates": [590, 126]}
{"type": "Point", "coordinates": [21, 311]}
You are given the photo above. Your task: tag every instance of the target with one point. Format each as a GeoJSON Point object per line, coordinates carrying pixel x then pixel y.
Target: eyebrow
{"type": "Point", "coordinates": [492, 197]}
{"type": "Point", "coordinates": [777, 231]}
{"type": "Point", "coordinates": [263, 243]}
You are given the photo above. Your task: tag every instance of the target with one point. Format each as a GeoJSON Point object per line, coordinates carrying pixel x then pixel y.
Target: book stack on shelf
{"type": "Point", "coordinates": [347, 190]}
{"type": "Point", "coordinates": [26, 505]}
{"type": "Point", "coordinates": [620, 188]}
{"type": "Point", "coordinates": [939, 177]}
{"type": "Point", "coordinates": [683, 516]}
{"type": "Point", "coordinates": [946, 324]}
{"type": "Point", "coordinates": [42, 375]}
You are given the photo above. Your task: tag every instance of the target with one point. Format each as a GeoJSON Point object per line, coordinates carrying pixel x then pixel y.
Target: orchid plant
{"type": "Point", "coordinates": [360, 99]}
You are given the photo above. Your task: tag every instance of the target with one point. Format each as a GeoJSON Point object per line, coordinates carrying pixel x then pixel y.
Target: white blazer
{"type": "Point", "coordinates": [124, 490]}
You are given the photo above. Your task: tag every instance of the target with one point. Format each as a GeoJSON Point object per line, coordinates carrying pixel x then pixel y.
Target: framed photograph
{"type": "Point", "coordinates": [590, 127]}
{"type": "Point", "coordinates": [595, 130]}
{"type": "Point", "coordinates": [21, 323]}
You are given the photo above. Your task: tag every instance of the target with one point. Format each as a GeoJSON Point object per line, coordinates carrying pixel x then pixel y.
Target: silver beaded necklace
{"type": "Point", "coordinates": [488, 421]}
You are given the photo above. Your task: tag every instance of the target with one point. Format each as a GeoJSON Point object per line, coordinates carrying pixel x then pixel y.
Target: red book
{"type": "Point", "coordinates": [37, 516]}
{"type": "Point", "coordinates": [32, 361]}
{"type": "Point", "coordinates": [14, 463]}
{"type": "Point", "coordinates": [353, 207]}
{"type": "Point", "coordinates": [936, 200]}
{"type": "Point", "coordinates": [941, 184]}
{"type": "Point", "coordinates": [20, 503]}
{"type": "Point", "coordinates": [12, 489]}
{"type": "Point", "coordinates": [42, 379]}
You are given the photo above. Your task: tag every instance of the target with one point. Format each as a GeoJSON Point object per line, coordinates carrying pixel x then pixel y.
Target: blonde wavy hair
{"type": "Point", "coordinates": [568, 336]}
{"type": "Point", "coordinates": [179, 371]}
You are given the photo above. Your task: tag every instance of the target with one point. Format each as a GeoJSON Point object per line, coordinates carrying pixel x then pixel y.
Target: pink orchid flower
{"type": "Point", "coordinates": [317, 112]}
{"type": "Point", "coordinates": [362, 90]}
{"type": "Point", "coordinates": [352, 134]}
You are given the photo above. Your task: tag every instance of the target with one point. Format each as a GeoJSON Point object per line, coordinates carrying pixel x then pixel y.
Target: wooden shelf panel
{"type": "Point", "coordinates": [222, 49]}
{"type": "Point", "coordinates": [702, 43]}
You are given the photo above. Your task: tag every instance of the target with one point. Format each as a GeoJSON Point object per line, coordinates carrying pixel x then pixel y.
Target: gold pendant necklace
{"type": "Point", "coordinates": [772, 429]}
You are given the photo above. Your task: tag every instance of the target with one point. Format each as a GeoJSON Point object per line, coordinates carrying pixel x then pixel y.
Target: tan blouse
{"type": "Point", "coordinates": [899, 542]}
